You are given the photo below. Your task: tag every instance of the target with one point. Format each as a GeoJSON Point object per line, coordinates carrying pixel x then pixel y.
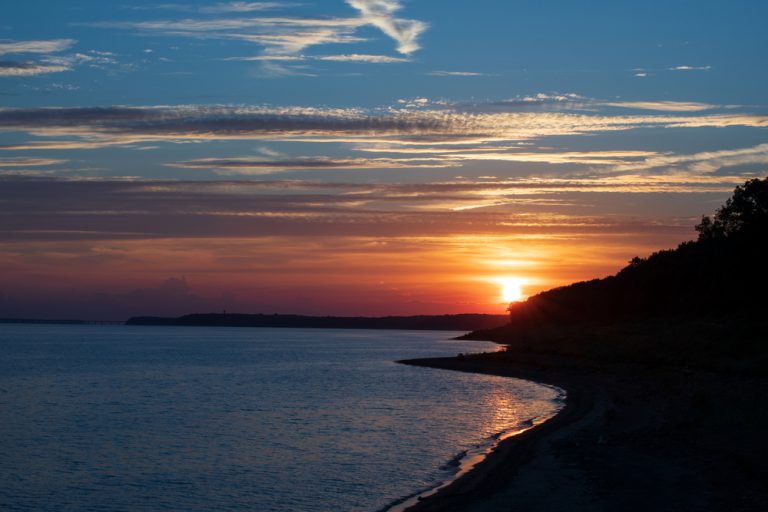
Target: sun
{"type": "Point", "coordinates": [512, 289]}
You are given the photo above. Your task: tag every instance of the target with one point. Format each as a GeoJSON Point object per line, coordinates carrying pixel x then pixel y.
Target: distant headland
{"type": "Point", "coordinates": [460, 322]}
{"type": "Point", "coordinates": [59, 321]}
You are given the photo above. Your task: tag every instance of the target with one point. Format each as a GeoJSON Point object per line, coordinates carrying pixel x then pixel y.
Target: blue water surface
{"type": "Point", "coordinates": [126, 418]}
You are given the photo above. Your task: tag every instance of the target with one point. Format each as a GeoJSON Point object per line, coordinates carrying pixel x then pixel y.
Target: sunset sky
{"type": "Point", "coordinates": [360, 157]}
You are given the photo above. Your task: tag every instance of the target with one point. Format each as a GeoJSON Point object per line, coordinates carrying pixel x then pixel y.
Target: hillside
{"type": "Point", "coordinates": [700, 304]}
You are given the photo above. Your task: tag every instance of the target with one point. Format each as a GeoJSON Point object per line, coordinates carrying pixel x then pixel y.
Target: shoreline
{"type": "Point", "coordinates": [509, 453]}
{"type": "Point", "coordinates": [466, 462]}
{"type": "Point", "coordinates": [630, 437]}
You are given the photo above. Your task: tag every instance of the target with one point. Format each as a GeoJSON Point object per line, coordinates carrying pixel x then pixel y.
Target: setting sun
{"type": "Point", "coordinates": [511, 289]}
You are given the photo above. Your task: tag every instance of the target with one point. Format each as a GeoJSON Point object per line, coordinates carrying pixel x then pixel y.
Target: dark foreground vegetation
{"type": "Point", "coordinates": [429, 323]}
{"type": "Point", "coordinates": [664, 365]}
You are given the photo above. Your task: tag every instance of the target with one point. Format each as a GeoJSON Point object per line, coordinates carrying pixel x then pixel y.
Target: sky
{"type": "Point", "coordinates": [360, 157]}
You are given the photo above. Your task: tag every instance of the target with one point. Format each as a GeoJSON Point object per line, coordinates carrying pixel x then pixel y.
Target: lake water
{"type": "Point", "coordinates": [119, 418]}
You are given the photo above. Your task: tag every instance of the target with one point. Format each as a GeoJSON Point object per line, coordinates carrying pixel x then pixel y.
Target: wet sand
{"type": "Point", "coordinates": [630, 438]}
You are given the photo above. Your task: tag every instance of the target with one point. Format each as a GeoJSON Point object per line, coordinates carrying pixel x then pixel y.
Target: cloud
{"type": "Point", "coordinates": [57, 63]}
{"type": "Point", "coordinates": [539, 101]}
{"type": "Point", "coordinates": [511, 154]}
{"type": "Point", "coordinates": [288, 58]}
{"type": "Point", "coordinates": [244, 7]}
{"type": "Point", "coordinates": [243, 240]}
{"type": "Point", "coordinates": [414, 102]}
{"type": "Point", "coordinates": [246, 165]}
{"type": "Point", "coordinates": [455, 73]}
{"type": "Point", "coordinates": [36, 46]}
{"type": "Point", "coordinates": [276, 35]}
{"type": "Point", "coordinates": [29, 68]}
{"type": "Point", "coordinates": [145, 210]}
{"type": "Point", "coordinates": [28, 162]}
{"type": "Point", "coordinates": [356, 57]}
{"type": "Point", "coordinates": [92, 59]}
{"type": "Point", "coordinates": [218, 8]}
{"type": "Point", "coordinates": [690, 68]}
{"type": "Point", "coordinates": [298, 40]}
{"type": "Point", "coordinates": [353, 57]}
{"type": "Point", "coordinates": [380, 13]}
{"type": "Point", "coordinates": [287, 36]}
{"type": "Point", "coordinates": [668, 106]}
{"type": "Point", "coordinates": [705, 162]}
{"type": "Point", "coordinates": [574, 101]}
{"type": "Point", "coordinates": [48, 64]}
{"type": "Point", "coordinates": [441, 135]}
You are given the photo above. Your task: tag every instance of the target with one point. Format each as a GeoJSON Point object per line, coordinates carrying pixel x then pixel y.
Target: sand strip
{"type": "Point", "coordinates": [629, 438]}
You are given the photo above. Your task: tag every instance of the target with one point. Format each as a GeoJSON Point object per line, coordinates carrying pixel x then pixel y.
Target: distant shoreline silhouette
{"type": "Point", "coordinates": [459, 322]}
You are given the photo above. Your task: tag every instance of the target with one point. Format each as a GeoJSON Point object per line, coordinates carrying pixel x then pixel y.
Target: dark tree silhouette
{"type": "Point", "coordinates": [721, 273]}
{"type": "Point", "coordinates": [744, 214]}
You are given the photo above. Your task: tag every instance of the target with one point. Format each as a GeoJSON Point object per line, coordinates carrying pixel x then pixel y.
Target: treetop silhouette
{"type": "Point", "coordinates": [744, 214]}
{"type": "Point", "coordinates": [721, 273]}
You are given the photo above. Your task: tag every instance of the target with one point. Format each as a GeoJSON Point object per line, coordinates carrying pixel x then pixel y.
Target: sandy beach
{"type": "Point", "coordinates": [630, 438]}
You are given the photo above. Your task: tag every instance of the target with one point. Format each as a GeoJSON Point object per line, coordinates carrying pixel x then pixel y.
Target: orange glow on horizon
{"type": "Point", "coordinates": [344, 276]}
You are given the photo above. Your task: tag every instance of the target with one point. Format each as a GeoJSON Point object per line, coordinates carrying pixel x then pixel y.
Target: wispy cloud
{"type": "Point", "coordinates": [575, 101]}
{"type": "Point", "coordinates": [380, 13]}
{"type": "Point", "coordinates": [47, 64]}
{"type": "Point", "coordinates": [501, 154]}
{"type": "Point", "coordinates": [299, 40]}
{"type": "Point", "coordinates": [113, 210]}
{"type": "Point", "coordinates": [704, 162]}
{"type": "Point", "coordinates": [249, 165]}
{"type": "Point", "coordinates": [53, 61]}
{"type": "Point", "coordinates": [28, 162]}
{"type": "Point", "coordinates": [284, 38]}
{"type": "Point", "coordinates": [36, 46]}
{"type": "Point", "coordinates": [286, 58]}
{"type": "Point", "coordinates": [216, 8]}
{"type": "Point", "coordinates": [92, 58]}
{"type": "Point", "coordinates": [352, 57]}
{"type": "Point", "coordinates": [455, 73]}
{"type": "Point", "coordinates": [245, 6]}
{"type": "Point", "coordinates": [690, 68]}
{"type": "Point", "coordinates": [357, 57]}
{"type": "Point", "coordinates": [416, 134]}
{"type": "Point", "coordinates": [30, 68]}
{"type": "Point", "coordinates": [276, 36]}
{"type": "Point", "coordinates": [419, 126]}
{"type": "Point", "coordinates": [668, 106]}
{"type": "Point", "coordinates": [414, 102]}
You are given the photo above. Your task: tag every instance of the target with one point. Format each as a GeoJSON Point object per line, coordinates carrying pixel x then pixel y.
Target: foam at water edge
{"type": "Point", "coordinates": [466, 460]}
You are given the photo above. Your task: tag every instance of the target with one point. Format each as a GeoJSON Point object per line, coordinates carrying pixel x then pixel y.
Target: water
{"type": "Point", "coordinates": [118, 418]}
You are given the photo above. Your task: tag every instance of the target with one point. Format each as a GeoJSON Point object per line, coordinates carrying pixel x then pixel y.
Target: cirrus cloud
{"type": "Point", "coordinates": [30, 68]}
{"type": "Point", "coordinates": [380, 13]}
{"type": "Point", "coordinates": [35, 46]}
{"type": "Point", "coordinates": [284, 36]}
